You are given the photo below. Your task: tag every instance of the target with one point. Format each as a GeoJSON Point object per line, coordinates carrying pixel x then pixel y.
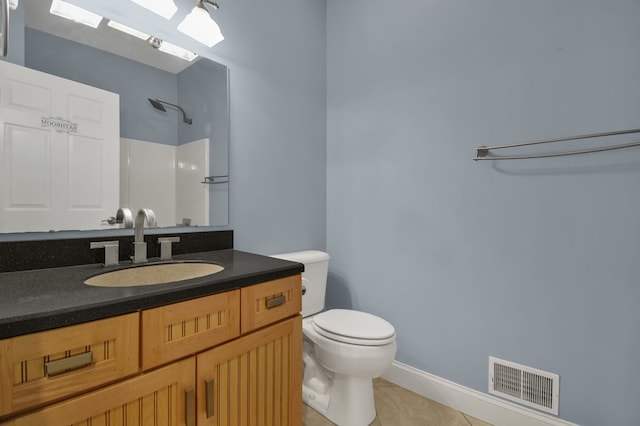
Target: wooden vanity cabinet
{"type": "Point", "coordinates": [42, 367]}
{"type": "Point", "coordinates": [174, 331]}
{"type": "Point", "coordinates": [266, 303]}
{"type": "Point", "coordinates": [165, 396]}
{"type": "Point", "coordinates": [233, 358]}
{"type": "Point", "coordinates": [257, 378]}
{"type": "Point", "coordinates": [254, 380]}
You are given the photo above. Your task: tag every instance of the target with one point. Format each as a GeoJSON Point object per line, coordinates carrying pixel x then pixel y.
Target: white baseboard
{"type": "Point", "coordinates": [482, 406]}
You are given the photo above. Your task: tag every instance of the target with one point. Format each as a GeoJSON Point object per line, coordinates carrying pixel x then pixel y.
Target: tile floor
{"type": "Point", "coordinates": [397, 406]}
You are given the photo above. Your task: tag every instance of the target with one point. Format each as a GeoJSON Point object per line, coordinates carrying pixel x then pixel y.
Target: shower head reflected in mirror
{"type": "Point", "coordinates": [157, 104]}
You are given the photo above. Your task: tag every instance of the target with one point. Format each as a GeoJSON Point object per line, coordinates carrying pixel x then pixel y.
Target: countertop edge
{"type": "Point", "coordinates": [43, 321]}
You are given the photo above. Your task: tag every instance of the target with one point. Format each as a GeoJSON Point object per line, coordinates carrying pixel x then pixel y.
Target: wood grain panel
{"type": "Point", "coordinates": [156, 398]}
{"type": "Point", "coordinates": [257, 378]}
{"type": "Point", "coordinates": [181, 329]}
{"type": "Point", "coordinates": [255, 298]}
{"type": "Point", "coordinates": [114, 344]}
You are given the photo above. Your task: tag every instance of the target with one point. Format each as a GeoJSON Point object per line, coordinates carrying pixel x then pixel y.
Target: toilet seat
{"type": "Point", "coordinates": [354, 327]}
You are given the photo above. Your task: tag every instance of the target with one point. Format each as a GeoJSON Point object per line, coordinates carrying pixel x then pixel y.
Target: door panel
{"type": "Point", "coordinates": [59, 152]}
{"type": "Point", "coordinates": [27, 168]}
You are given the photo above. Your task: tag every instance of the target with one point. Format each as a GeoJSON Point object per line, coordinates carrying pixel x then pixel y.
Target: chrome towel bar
{"type": "Point", "coordinates": [482, 152]}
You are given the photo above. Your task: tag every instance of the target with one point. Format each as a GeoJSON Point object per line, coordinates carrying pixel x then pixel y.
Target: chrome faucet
{"type": "Point", "coordinates": [139, 246]}
{"type": "Point", "coordinates": [123, 215]}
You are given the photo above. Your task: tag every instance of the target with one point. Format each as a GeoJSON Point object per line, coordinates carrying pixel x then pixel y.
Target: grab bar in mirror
{"type": "Point", "coordinates": [5, 5]}
{"type": "Point", "coordinates": [212, 180]}
{"type": "Point", "coordinates": [5, 28]}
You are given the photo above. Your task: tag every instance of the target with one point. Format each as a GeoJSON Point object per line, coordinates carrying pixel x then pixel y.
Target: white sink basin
{"type": "Point", "coordinates": [160, 273]}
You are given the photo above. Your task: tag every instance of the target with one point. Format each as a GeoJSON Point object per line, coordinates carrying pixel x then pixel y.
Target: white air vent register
{"type": "Point", "coordinates": [525, 385]}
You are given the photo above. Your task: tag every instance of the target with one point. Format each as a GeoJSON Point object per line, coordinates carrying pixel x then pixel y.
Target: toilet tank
{"type": "Point", "coordinates": [314, 277]}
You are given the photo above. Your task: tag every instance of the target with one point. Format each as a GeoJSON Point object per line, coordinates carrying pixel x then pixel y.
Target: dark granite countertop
{"type": "Point", "coordinates": [45, 299]}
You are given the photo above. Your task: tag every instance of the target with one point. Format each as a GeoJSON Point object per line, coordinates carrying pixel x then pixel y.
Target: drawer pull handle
{"type": "Point", "coordinates": [66, 364]}
{"type": "Point", "coordinates": [276, 301]}
{"type": "Point", "coordinates": [209, 397]}
{"type": "Point", "coordinates": [190, 407]}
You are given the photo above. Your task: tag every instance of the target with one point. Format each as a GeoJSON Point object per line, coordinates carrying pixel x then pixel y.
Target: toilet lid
{"type": "Point", "coordinates": [355, 327]}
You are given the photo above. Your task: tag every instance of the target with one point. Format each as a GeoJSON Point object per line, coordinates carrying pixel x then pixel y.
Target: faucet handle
{"type": "Point", "coordinates": [165, 246]}
{"type": "Point", "coordinates": [124, 216]}
{"type": "Point", "coordinates": [110, 251]}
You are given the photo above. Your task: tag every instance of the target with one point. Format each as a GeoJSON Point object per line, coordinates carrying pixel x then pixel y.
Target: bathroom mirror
{"type": "Point", "coordinates": [134, 68]}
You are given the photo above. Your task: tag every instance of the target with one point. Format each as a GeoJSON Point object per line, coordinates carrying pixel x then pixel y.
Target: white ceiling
{"type": "Point", "coordinates": [105, 38]}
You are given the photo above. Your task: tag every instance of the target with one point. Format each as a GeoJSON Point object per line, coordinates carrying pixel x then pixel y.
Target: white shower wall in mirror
{"type": "Point", "coordinates": [150, 173]}
{"type": "Point", "coordinates": [192, 165]}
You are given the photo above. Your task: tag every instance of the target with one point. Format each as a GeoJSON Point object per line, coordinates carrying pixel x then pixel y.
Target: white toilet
{"type": "Point", "coordinates": [343, 350]}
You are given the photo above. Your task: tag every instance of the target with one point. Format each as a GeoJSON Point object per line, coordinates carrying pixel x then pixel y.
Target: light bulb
{"type": "Point", "coordinates": [164, 8]}
{"type": "Point", "coordinates": [199, 26]}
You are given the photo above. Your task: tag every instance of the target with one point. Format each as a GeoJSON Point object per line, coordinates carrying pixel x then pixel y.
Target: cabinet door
{"type": "Point", "coordinates": [42, 367]}
{"type": "Point", "coordinates": [161, 397]}
{"type": "Point", "coordinates": [254, 380]}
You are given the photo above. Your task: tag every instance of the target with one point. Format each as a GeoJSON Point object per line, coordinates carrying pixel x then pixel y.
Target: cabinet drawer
{"type": "Point", "coordinates": [180, 329]}
{"type": "Point", "coordinates": [46, 366]}
{"type": "Point", "coordinates": [268, 302]}
{"type": "Point", "coordinates": [162, 397]}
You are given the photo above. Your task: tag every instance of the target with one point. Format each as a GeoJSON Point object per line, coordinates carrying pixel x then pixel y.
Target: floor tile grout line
{"type": "Point", "coordinates": [466, 418]}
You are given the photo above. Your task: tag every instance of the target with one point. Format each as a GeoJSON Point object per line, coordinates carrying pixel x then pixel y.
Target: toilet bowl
{"type": "Point", "coordinates": [350, 360]}
{"type": "Point", "coordinates": [343, 350]}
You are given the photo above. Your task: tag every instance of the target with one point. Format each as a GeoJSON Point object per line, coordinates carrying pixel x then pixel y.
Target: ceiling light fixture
{"type": "Point", "coordinates": [128, 30]}
{"type": "Point", "coordinates": [13, 4]}
{"type": "Point", "coordinates": [164, 8]}
{"type": "Point", "coordinates": [200, 26]}
{"type": "Point", "coordinates": [75, 13]}
{"type": "Point", "coordinates": [178, 51]}
{"type": "Point", "coordinates": [157, 43]}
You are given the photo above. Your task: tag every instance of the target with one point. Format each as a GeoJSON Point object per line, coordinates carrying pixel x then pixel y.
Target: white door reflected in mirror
{"type": "Point", "coordinates": [59, 151]}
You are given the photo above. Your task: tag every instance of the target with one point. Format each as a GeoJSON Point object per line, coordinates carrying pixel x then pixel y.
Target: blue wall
{"type": "Point", "coordinates": [135, 82]}
{"type": "Point", "coordinates": [15, 47]}
{"type": "Point", "coordinates": [276, 55]}
{"type": "Point", "coordinates": [203, 87]}
{"type": "Point", "coordinates": [532, 261]}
